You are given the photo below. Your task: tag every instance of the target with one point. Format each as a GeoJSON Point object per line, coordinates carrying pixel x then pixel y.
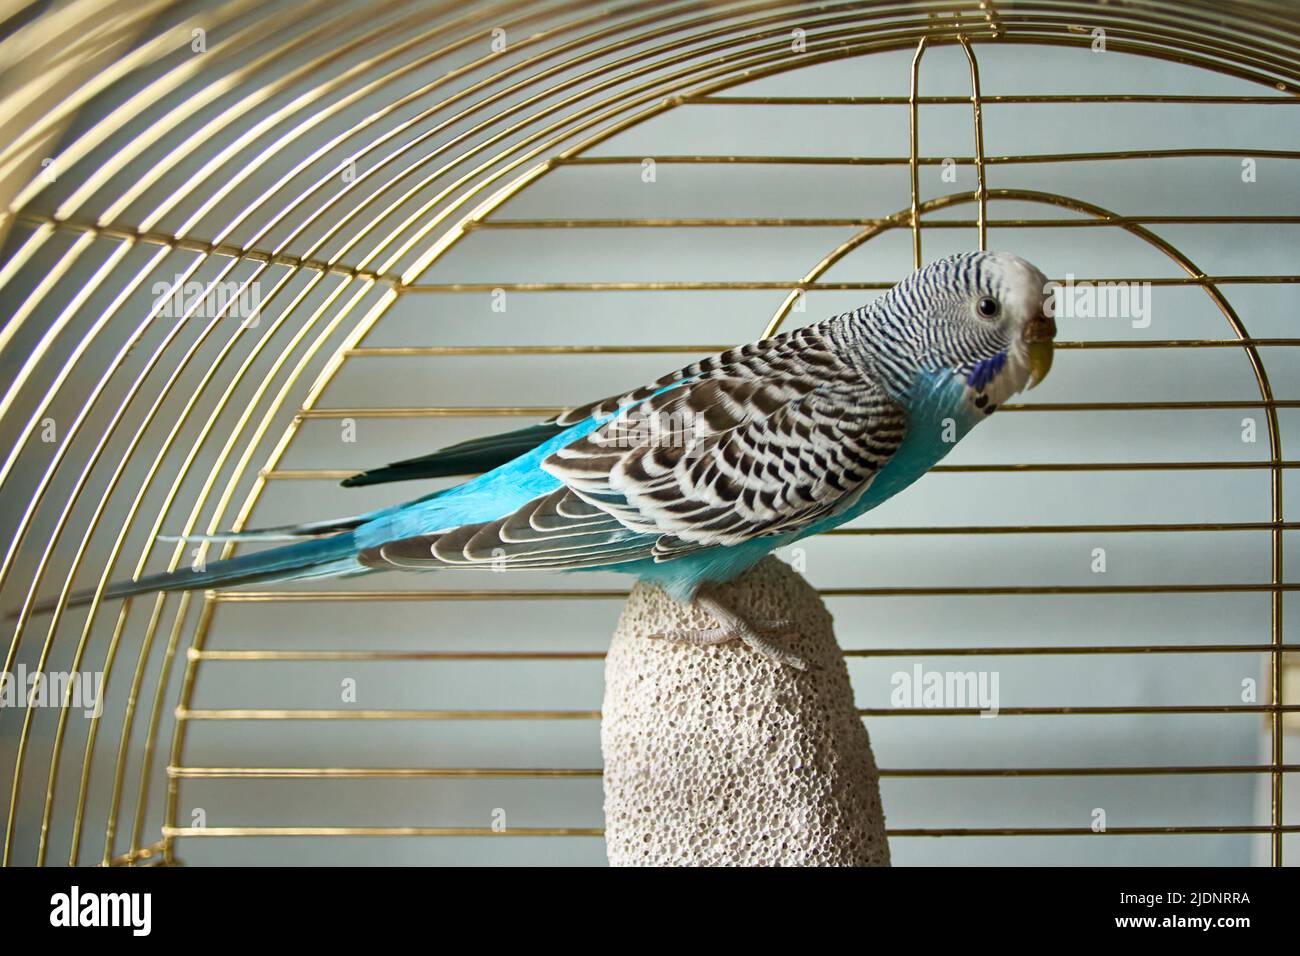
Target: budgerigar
{"type": "Point", "coordinates": [691, 480]}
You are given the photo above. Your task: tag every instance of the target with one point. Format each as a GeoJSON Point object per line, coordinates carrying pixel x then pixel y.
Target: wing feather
{"type": "Point", "coordinates": [765, 440]}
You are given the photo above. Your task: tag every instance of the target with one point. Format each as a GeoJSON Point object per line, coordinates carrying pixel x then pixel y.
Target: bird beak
{"type": "Point", "coordinates": [1038, 335]}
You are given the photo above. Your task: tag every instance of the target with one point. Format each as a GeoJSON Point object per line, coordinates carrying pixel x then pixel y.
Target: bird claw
{"type": "Point", "coordinates": [736, 628]}
{"type": "Point", "coordinates": [760, 644]}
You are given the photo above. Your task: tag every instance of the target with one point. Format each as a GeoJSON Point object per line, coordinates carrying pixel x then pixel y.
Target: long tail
{"type": "Point", "coordinates": [318, 557]}
{"type": "Point", "coordinates": [321, 549]}
{"type": "Point", "coordinates": [306, 529]}
{"type": "Point", "coordinates": [279, 532]}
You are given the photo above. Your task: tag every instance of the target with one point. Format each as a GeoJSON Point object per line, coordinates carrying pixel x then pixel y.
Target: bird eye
{"type": "Point", "coordinates": [988, 307]}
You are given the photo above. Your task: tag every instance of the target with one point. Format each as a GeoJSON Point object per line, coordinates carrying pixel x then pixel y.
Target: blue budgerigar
{"type": "Point", "coordinates": [694, 478]}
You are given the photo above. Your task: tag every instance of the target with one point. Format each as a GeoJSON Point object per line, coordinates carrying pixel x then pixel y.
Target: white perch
{"type": "Point", "coordinates": [717, 756]}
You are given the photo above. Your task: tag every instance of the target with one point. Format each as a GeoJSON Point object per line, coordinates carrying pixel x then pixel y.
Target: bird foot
{"type": "Point", "coordinates": [735, 628]}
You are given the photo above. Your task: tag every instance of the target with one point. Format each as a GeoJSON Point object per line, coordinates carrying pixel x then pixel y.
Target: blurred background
{"type": "Point", "coordinates": [430, 221]}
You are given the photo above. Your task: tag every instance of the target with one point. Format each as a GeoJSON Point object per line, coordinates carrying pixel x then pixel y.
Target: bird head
{"type": "Point", "coordinates": [979, 316]}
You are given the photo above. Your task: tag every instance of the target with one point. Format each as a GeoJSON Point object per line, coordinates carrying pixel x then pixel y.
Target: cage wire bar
{"type": "Point", "coordinates": [612, 68]}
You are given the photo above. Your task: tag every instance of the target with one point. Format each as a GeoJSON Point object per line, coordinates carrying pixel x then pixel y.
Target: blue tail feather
{"type": "Point", "coordinates": [312, 558]}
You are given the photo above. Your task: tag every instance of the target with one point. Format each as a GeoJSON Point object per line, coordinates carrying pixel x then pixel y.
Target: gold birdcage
{"type": "Point", "coordinates": [255, 246]}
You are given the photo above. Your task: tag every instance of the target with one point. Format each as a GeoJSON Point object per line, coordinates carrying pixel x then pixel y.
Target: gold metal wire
{"type": "Point", "coordinates": [637, 61]}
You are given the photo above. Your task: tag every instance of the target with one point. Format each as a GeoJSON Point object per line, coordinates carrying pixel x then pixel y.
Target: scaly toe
{"type": "Point", "coordinates": [761, 645]}
{"type": "Point", "coordinates": [698, 637]}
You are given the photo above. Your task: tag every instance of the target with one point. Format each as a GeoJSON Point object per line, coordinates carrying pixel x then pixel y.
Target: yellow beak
{"type": "Point", "coordinates": [1040, 360]}
{"type": "Point", "coordinates": [1038, 335]}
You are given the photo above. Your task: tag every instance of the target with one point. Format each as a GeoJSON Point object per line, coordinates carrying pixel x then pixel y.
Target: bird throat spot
{"type": "Point", "coordinates": [986, 371]}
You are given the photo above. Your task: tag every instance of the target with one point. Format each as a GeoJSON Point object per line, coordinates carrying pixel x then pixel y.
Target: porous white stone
{"type": "Point", "coordinates": [717, 756]}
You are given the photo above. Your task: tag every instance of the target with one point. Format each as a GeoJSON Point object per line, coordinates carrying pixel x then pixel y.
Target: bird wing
{"type": "Point", "coordinates": [767, 445]}
{"type": "Point", "coordinates": [491, 451]}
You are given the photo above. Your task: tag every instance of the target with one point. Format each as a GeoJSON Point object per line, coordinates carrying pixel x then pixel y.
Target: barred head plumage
{"type": "Point", "coordinates": [978, 315]}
